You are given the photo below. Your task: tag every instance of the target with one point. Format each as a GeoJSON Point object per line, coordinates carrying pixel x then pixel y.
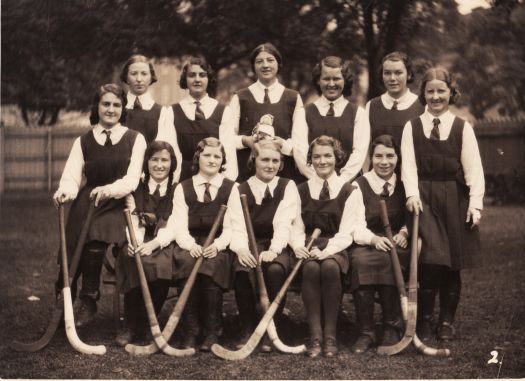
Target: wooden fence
{"type": "Point", "coordinates": [33, 159]}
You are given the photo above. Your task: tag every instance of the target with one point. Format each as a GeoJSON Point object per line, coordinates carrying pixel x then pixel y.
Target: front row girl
{"type": "Point", "coordinates": [151, 205]}
{"type": "Point", "coordinates": [370, 259]}
{"type": "Point", "coordinates": [324, 201]}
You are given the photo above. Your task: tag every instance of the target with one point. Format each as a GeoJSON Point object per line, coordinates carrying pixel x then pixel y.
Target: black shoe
{"type": "Point", "coordinates": [424, 330]}
{"type": "Point", "coordinates": [85, 312]}
{"type": "Point", "coordinates": [313, 348]}
{"type": "Point", "coordinates": [266, 345]}
{"type": "Point", "coordinates": [124, 337]}
{"type": "Point", "coordinates": [446, 331]}
{"type": "Point", "coordinates": [391, 336]}
{"type": "Point", "coordinates": [362, 345]}
{"type": "Point", "coordinates": [190, 341]}
{"type": "Point", "coordinates": [209, 340]}
{"type": "Point", "coordinates": [243, 338]}
{"type": "Point", "coordinates": [330, 347]}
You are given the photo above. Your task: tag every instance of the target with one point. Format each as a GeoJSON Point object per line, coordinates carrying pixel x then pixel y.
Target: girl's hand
{"type": "Point", "coordinates": [401, 240]}
{"type": "Point", "coordinates": [147, 248]}
{"type": "Point", "coordinates": [248, 141]}
{"type": "Point", "coordinates": [131, 250]}
{"type": "Point", "coordinates": [381, 243]}
{"type": "Point", "coordinates": [196, 251]}
{"type": "Point", "coordinates": [210, 252]}
{"type": "Point", "coordinates": [473, 215]}
{"type": "Point", "coordinates": [61, 197]}
{"type": "Point", "coordinates": [315, 253]}
{"type": "Point", "coordinates": [246, 258]}
{"type": "Point", "coordinates": [100, 194]}
{"type": "Point", "coordinates": [267, 256]}
{"type": "Point", "coordinates": [414, 204]}
{"type": "Point", "coordinates": [301, 252]}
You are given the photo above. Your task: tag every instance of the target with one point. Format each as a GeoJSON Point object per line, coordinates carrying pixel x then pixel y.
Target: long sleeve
{"type": "Point", "coordinates": [234, 229]}
{"type": "Point", "coordinates": [228, 138]}
{"type": "Point", "coordinates": [300, 142]}
{"type": "Point", "coordinates": [283, 219]}
{"type": "Point", "coordinates": [166, 132]}
{"type": "Point", "coordinates": [472, 167]}
{"type": "Point", "coordinates": [343, 238]}
{"type": "Point", "coordinates": [127, 184]}
{"type": "Point", "coordinates": [233, 120]}
{"type": "Point", "coordinates": [73, 170]}
{"type": "Point", "coordinates": [360, 146]}
{"type": "Point", "coordinates": [409, 166]}
{"type": "Point", "coordinates": [298, 127]}
{"type": "Point", "coordinates": [297, 234]}
{"type": "Point", "coordinates": [177, 224]}
{"type": "Point", "coordinates": [362, 235]}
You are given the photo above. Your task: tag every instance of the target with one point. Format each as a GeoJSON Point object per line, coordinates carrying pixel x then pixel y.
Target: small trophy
{"type": "Point", "coordinates": [264, 129]}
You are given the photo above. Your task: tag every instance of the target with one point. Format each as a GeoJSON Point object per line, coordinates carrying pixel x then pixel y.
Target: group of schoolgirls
{"type": "Point", "coordinates": [174, 167]}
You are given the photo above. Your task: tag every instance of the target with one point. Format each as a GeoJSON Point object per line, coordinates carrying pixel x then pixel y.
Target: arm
{"type": "Point", "coordinates": [474, 177]}
{"type": "Point", "coordinates": [298, 116]}
{"type": "Point", "coordinates": [360, 146]}
{"type": "Point", "coordinates": [361, 235]}
{"type": "Point", "coordinates": [167, 133]}
{"type": "Point", "coordinates": [71, 176]}
{"type": "Point", "coordinates": [300, 140]}
{"type": "Point", "coordinates": [409, 169]}
{"type": "Point", "coordinates": [283, 219]}
{"type": "Point", "coordinates": [228, 137]}
{"type": "Point", "coordinates": [343, 238]}
{"type": "Point", "coordinates": [233, 225]}
{"type": "Point", "coordinates": [298, 236]}
{"type": "Point", "coordinates": [139, 230]}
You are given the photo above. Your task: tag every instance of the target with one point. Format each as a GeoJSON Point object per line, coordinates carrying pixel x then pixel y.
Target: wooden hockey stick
{"type": "Point", "coordinates": [150, 310]}
{"type": "Point", "coordinates": [175, 316]}
{"type": "Point", "coordinates": [257, 335]}
{"type": "Point", "coordinates": [58, 310]}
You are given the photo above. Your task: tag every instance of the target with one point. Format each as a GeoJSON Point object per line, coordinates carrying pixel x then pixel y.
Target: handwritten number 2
{"type": "Point", "coordinates": [494, 359]}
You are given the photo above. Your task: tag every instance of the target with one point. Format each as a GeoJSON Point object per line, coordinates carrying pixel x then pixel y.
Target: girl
{"type": "Point", "coordinates": [196, 202]}
{"type": "Point", "coordinates": [370, 261]}
{"type": "Point", "coordinates": [266, 96]}
{"type": "Point", "coordinates": [443, 179]}
{"type": "Point", "coordinates": [324, 201]}
{"type": "Point", "coordinates": [198, 115]}
{"type": "Point", "coordinates": [333, 115]}
{"type": "Point", "coordinates": [151, 204]}
{"type": "Point", "coordinates": [272, 201]}
{"type": "Point", "coordinates": [110, 158]}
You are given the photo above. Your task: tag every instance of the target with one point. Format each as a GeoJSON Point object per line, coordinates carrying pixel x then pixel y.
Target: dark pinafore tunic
{"type": "Point", "coordinates": [325, 215]}
{"type": "Point", "coordinates": [144, 121]}
{"type": "Point", "coordinates": [391, 122]}
{"type": "Point", "coordinates": [262, 221]}
{"type": "Point", "coordinates": [251, 113]}
{"type": "Point", "coordinates": [191, 132]}
{"type": "Point", "coordinates": [447, 239]}
{"type": "Point", "coordinates": [341, 128]}
{"type": "Point", "coordinates": [201, 216]}
{"type": "Point", "coordinates": [369, 265]}
{"type": "Point", "coordinates": [102, 166]}
{"type": "Point", "coordinates": [154, 213]}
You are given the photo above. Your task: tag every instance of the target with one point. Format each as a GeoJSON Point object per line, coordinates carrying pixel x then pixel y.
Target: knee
{"type": "Point", "coordinates": [311, 269]}
{"type": "Point", "coordinates": [330, 269]}
{"type": "Point", "coordinates": [275, 271]}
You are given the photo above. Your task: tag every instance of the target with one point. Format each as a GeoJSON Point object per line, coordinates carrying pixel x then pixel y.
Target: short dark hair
{"type": "Point", "coordinates": [199, 61]}
{"type": "Point", "coordinates": [154, 147]}
{"type": "Point", "coordinates": [398, 56]}
{"type": "Point", "coordinates": [104, 89]}
{"type": "Point", "coordinates": [389, 142]}
{"type": "Point", "coordinates": [261, 144]}
{"type": "Point", "coordinates": [134, 59]}
{"type": "Point", "coordinates": [324, 140]}
{"type": "Point", "coordinates": [334, 62]}
{"type": "Point", "coordinates": [207, 142]}
{"type": "Point", "coordinates": [267, 47]}
{"type": "Point", "coordinates": [441, 74]}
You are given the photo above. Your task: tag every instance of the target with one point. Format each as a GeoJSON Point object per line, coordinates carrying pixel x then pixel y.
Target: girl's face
{"type": "Point", "coordinates": [437, 95]}
{"type": "Point", "coordinates": [139, 78]}
{"type": "Point", "coordinates": [210, 161]}
{"type": "Point", "coordinates": [197, 81]}
{"type": "Point", "coordinates": [267, 164]}
{"type": "Point", "coordinates": [266, 68]}
{"type": "Point", "coordinates": [331, 82]}
{"type": "Point", "coordinates": [384, 161]}
{"type": "Point", "coordinates": [395, 78]}
{"type": "Point", "coordinates": [109, 110]}
{"type": "Point", "coordinates": [323, 161]}
{"type": "Point", "coordinates": [159, 165]}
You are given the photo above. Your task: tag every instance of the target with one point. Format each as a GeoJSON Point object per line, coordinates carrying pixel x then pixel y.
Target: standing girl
{"type": "Point", "coordinates": [151, 205]}
{"type": "Point", "coordinates": [443, 179]}
{"type": "Point", "coordinates": [272, 201]}
{"type": "Point", "coordinates": [110, 158]}
{"type": "Point", "coordinates": [324, 204]}
{"type": "Point", "coordinates": [266, 96]}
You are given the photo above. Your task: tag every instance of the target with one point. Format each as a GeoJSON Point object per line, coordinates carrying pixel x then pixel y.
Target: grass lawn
{"type": "Point", "coordinates": [491, 317]}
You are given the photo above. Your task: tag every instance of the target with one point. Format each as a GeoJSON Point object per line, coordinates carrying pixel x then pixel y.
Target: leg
{"type": "Point", "coordinates": [332, 290]}
{"type": "Point", "coordinates": [364, 310]}
{"type": "Point", "coordinates": [131, 305]}
{"type": "Point", "coordinates": [245, 298]}
{"type": "Point", "coordinates": [426, 297]}
{"type": "Point", "coordinates": [311, 292]}
{"type": "Point", "coordinates": [275, 277]}
{"type": "Point", "coordinates": [449, 294]}
{"type": "Point", "coordinates": [391, 309]}
{"type": "Point", "coordinates": [91, 267]}
{"type": "Point", "coordinates": [190, 317]}
{"type": "Point", "coordinates": [212, 298]}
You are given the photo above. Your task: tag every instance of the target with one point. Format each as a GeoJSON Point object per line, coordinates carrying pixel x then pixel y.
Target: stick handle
{"type": "Point", "coordinates": [63, 248]}
{"type": "Point", "coordinates": [77, 254]}
{"type": "Point", "coordinates": [412, 282]}
{"type": "Point", "coordinates": [393, 253]}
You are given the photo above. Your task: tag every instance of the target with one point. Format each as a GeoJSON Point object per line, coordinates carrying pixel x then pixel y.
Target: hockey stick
{"type": "Point", "coordinates": [175, 316]}
{"type": "Point", "coordinates": [58, 311]}
{"type": "Point", "coordinates": [256, 336]}
{"type": "Point", "coordinates": [69, 319]}
{"type": "Point", "coordinates": [152, 317]}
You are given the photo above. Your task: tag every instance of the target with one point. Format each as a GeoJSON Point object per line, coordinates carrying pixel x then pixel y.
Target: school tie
{"type": "Point", "coordinates": [394, 106]}
{"type": "Point", "coordinates": [108, 142]}
{"type": "Point", "coordinates": [207, 194]}
{"type": "Point", "coordinates": [266, 97]}
{"type": "Point", "coordinates": [384, 193]}
{"type": "Point", "coordinates": [137, 105]}
{"type": "Point", "coordinates": [267, 195]}
{"type": "Point", "coordinates": [434, 134]}
{"type": "Point", "coordinates": [331, 111]}
{"type": "Point", "coordinates": [325, 192]}
{"type": "Point", "coordinates": [156, 194]}
{"type": "Point", "coordinates": [199, 115]}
